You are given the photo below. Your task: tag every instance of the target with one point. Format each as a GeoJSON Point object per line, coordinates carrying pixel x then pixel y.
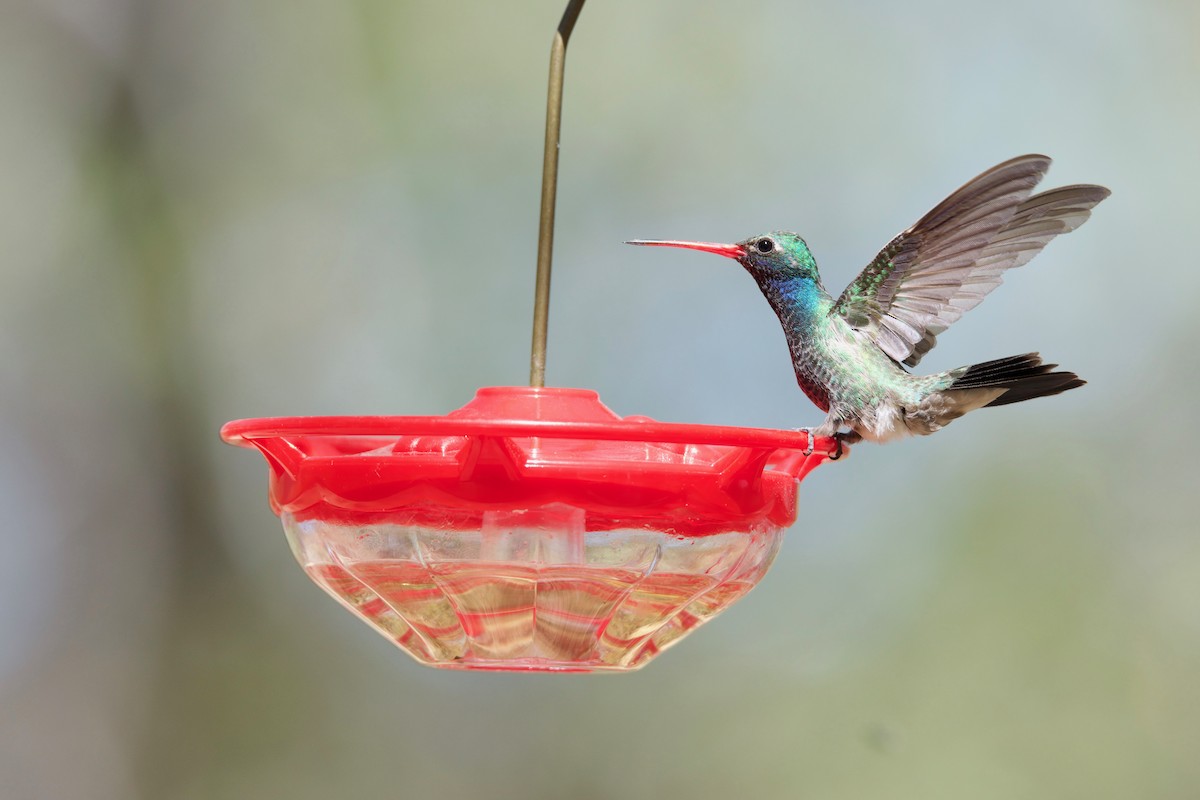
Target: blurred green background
{"type": "Point", "coordinates": [230, 209]}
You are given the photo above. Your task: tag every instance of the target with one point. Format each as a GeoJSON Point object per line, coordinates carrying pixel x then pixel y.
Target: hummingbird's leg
{"type": "Point", "coordinates": [826, 429]}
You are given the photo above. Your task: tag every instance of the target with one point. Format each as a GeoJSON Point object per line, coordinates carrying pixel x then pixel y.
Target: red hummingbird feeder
{"type": "Point", "coordinates": [532, 529]}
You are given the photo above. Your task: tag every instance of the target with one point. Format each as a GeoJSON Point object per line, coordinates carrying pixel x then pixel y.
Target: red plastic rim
{"type": "Point", "coordinates": [522, 447]}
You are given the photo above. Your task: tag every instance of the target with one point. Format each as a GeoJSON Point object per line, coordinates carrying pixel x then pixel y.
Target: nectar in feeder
{"type": "Point", "coordinates": [532, 529]}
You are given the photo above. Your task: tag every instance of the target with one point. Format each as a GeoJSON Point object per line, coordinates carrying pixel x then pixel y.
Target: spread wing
{"type": "Point", "coordinates": [943, 266]}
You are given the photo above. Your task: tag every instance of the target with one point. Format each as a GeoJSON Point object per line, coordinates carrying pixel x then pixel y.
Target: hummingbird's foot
{"type": "Point", "coordinates": [848, 438]}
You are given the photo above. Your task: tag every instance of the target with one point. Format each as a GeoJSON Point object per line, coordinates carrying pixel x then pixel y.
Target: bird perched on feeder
{"type": "Point", "coordinates": [850, 353]}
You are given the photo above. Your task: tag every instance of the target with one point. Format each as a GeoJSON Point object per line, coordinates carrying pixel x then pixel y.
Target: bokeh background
{"type": "Point", "coordinates": [230, 209]}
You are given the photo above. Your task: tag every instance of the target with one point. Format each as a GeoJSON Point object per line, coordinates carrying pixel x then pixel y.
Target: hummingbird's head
{"type": "Point", "coordinates": [769, 257]}
{"type": "Point", "coordinates": [778, 255]}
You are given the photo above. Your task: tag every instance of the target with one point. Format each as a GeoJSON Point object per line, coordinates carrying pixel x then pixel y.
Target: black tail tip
{"type": "Point", "coordinates": [1023, 377]}
{"type": "Point", "coordinates": [1044, 385]}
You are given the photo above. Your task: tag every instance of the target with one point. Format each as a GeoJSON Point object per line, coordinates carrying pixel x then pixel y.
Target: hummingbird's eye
{"type": "Point", "coordinates": [764, 245]}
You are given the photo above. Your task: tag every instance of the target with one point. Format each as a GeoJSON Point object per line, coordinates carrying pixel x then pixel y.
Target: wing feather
{"type": "Point", "coordinates": [926, 278]}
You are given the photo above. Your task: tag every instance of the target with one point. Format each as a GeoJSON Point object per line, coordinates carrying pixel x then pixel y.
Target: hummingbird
{"type": "Point", "coordinates": [851, 354]}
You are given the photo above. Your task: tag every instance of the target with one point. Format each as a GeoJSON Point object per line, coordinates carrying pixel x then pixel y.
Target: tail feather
{"type": "Point", "coordinates": [1023, 377]}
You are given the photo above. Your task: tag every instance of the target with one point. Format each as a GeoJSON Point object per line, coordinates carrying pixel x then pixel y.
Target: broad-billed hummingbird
{"type": "Point", "coordinates": [850, 353]}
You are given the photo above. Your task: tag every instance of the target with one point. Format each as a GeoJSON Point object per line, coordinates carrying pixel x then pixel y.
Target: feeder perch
{"type": "Point", "coordinates": [533, 528]}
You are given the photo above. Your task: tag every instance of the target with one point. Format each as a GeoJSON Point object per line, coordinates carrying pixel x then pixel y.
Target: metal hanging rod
{"type": "Point", "coordinates": [541, 297]}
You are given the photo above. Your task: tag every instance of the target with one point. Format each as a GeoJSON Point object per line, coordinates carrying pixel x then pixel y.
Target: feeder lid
{"type": "Point", "coordinates": [523, 447]}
